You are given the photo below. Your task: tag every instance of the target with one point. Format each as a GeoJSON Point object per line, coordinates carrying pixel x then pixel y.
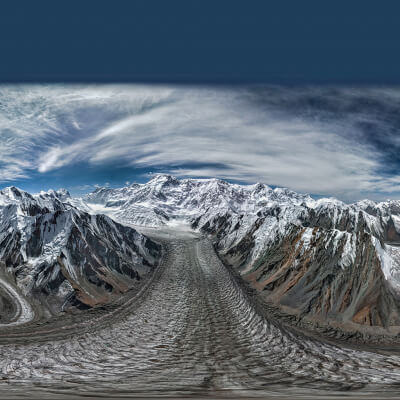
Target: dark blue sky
{"type": "Point", "coordinates": [284, 41]}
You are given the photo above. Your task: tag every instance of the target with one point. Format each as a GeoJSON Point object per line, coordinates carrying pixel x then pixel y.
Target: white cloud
{"type": "Point", "coordinates": [190, 131]}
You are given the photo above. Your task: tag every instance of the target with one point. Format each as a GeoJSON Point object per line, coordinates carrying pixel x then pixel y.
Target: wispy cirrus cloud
{"type": "Point", "coordinates": [318, 140]}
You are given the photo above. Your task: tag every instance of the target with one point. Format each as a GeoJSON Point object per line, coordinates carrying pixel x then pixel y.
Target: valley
{"type": "Point", "coordinates": [202, 288]}
{"type": "Point", "coordinates": [194, 332]}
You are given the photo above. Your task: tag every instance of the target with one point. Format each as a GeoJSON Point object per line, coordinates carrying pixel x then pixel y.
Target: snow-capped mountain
{"type": "Point", "coordinates": [164, 198]}
{"type": "Point", "coordinates": [321, 258]}
{"type": "Point", "coordinates": [65, 256]}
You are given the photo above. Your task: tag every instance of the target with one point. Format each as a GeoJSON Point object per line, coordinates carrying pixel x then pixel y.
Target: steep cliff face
{"type": "Point", "coordinates": [63, 256]}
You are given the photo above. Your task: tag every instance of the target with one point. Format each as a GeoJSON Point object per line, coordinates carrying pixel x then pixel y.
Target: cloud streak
{"type": "Point", "coordinates": [308, 139]}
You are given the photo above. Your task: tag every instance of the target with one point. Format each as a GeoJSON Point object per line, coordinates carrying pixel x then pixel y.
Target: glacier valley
{"type": "Point", "coordinates": [198, 287]}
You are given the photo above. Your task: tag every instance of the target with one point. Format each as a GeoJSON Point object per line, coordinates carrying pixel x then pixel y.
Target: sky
{"type": "Point", "coordinates": [340, 141]}
{"type": "Point", "coordinates": [285, 41]}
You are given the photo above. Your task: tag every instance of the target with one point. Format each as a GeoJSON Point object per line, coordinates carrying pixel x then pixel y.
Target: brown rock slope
{"type": "Point", "coordinates": [323, 271]}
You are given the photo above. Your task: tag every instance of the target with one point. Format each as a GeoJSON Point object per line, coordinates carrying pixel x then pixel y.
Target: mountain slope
{"type": "Point", "coordinates": [60, 256]}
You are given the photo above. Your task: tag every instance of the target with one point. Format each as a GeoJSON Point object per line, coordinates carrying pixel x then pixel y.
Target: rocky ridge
{"type": "Point", "coordinates": [59, 256]}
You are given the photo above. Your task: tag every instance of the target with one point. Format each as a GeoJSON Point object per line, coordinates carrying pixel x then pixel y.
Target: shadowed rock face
{"type": "Point", "coordinates": [100, 260]}
{"type": "Point", "coordinates": [64, 257]}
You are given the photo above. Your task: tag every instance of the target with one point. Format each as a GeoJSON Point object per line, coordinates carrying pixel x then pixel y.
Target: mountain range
{"type": "Point", "coordinates": [61, 256]}
{"type": "Point", "coordinates": [322, 260]}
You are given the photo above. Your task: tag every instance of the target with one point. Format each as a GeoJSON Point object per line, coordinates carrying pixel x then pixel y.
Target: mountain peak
{"type": "Point", "coordinates": [156, 177]}
{"type": "Point", "coordinates": [163, 178]}
{"type": "Point", "coordinates": [14, 193]}
{"type": "Point", "coordinates": [59, 194]}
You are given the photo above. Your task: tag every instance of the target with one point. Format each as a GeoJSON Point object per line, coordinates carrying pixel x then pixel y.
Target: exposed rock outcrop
{"type": "Point", "coordinates": [63, 257]}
